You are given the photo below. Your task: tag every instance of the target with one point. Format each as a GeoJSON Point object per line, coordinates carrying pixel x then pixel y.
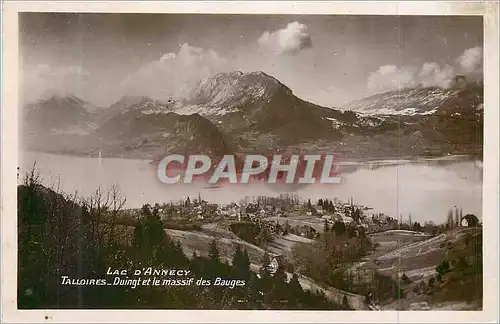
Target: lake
{"type": "Point", "coordinates": [426, 189]}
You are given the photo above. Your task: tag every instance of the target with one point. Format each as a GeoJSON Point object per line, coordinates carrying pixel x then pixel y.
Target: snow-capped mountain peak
{"type": "Point", "coordinates": [228, 92]}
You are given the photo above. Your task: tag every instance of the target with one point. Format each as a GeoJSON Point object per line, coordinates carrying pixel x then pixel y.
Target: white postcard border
{"type": "Point", "coordinates": [9, 157]}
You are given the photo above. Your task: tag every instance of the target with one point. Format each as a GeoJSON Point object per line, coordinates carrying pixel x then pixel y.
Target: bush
{"type": "Point", "coordinates": [345, 303]}
{"type": "Point", "coordinates": [419, 288]}
{"type": "Point", "coordinates": [405, 279]}
{"type": "Point", "coordinates": [461, 263]}
{"type": "Point", "coordinates": [400, 294]}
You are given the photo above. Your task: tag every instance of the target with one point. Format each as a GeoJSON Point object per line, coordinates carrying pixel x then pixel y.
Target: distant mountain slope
{"type": "Point", "coordinates": [163, 133]}
{"type": "Point", "coordinates": [419, 101]}
{"type": "Point", "coordinates": [142, 103]}
{"type": "Point", "coordinates": [60, 114]}
{"type": "Point", "coordinates": [406, 102]}
{"type": "Point", "coordinates": [458, 121]}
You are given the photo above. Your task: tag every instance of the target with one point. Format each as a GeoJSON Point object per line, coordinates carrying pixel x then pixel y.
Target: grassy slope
{"type": "Point", "coordinates": [418, 258]}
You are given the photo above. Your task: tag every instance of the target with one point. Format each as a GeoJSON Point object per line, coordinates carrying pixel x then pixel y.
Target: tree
{"type": "Point", "coordinates": [295, 286]}
{"type": "Point", "coordinates": [279, 288]}
{"type": "Point", "coordinates": [265, 266]}
{"type": "Point", "coordinates": [405, 279]}
{"type": "Point", "coordinates": [214, 267]}
{"type": "Point", "coordinates": [457, 217]}
{"type": "Point", "coordinates": [295, 293]}
{"type": "Point", "coordinates": [417, 227]}
{"type": "Point", "coordinates": [326, 227]}
{"type": "Point", "coordinates": [431, 282]}
{"type": "Point", "coordinates": [443, 268]}
{"type": "Point", "coordinates": [449, 220]}
{"type": "Point", "coordinates": [241, 263]}
{"type": "Point", "coordinates": [149, 235]}
{"type": "Point", "coordinates": [245, 265]}
{"type": "Point", "coordinates": [461, 263]}
{"type": "Point", "coordinates": [286, 228]}
{"type": "Point", "coordinates": [309, 205]}
{"type": "Point", "coordinates": [238, 255]}
{"type": "Point", "coordinates": [345, 303]}
{"type": "Point", "coordinates": [320, 202]}
{"type": "Point", "coordinates": [339, 228]}
{"type": "Point", "coordinates": [213, 253]}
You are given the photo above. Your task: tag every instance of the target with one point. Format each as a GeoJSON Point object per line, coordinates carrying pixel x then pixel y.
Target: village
{"type": "Point", "coordinates": [281, 215]}
{"type": "Point", "coordinates": [258, 220]}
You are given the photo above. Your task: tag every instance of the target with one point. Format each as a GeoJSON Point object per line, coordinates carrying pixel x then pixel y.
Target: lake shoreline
{"type": "Point", "coordinates": [346, 160]}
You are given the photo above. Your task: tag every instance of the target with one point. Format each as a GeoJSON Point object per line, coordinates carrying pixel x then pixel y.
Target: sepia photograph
{"type": "Point", "coordinates": [251, 161]}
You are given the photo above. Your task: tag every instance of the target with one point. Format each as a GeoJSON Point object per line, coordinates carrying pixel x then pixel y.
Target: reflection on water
{"type": "Point", "coordinates": [426, 189]}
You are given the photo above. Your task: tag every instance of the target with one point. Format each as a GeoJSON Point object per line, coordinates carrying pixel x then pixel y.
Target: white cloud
{"type": "Point", "coordinates": [42, 79]}
{"type": "Point", "coordinates": [290, 40]}
{"type": "Point", "coordinates": [174, 74]}
{"type": "Point", "coordinates": [471, 59]}
{"type": "Point", "coordinates": [391, 77]}
{"type": "Point", "coordinates": [433, 75]}
{"type": "Point", "coordinates": [168, 56]}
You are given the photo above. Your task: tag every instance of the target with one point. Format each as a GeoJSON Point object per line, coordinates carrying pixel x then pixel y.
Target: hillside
{"type": "Point", "coordinates": [91, 231]}
{"type": "Point", "coordinates": [439, 271]}
{"type": "Point", "coordinates": [431, 121]}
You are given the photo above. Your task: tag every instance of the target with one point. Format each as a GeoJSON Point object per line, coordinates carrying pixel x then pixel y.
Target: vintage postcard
{"type": "Point", "coordinates": [249, 161]}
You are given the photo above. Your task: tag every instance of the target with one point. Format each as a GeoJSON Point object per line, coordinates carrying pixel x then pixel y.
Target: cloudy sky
{"type": "Point", "coordinates": [328, 60]}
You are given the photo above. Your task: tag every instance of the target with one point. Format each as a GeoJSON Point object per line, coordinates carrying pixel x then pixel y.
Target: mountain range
{"type": "Point", "coordinates": [237, 112]}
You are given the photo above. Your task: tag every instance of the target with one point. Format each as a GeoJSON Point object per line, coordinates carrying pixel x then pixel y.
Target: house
{"type": "Point", "coordinates": [307, 231]}
{"type": "Point", "coordinates": [277, 260]}
{"type": "Point", "coordinates": [273, 266]}
{"type": "Point", "coordinates": [469, 220]}
{"type": "Point", "coordinates": [347, 220]}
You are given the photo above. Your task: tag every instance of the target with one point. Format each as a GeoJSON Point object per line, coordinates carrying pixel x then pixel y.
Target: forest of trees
{"type": "Point", "coordinates": [254, 233]}
{"type": "Point", "coordinates": [327, 261]}
{"type": "Point", "coordinates": [61, 235]}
